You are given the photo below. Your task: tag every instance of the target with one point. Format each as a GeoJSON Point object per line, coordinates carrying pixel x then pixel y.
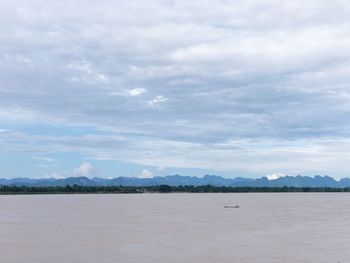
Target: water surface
{"type": "Point", "coordinates": [268, 227]}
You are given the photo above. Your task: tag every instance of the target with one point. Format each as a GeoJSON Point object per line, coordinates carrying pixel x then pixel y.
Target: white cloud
{"type": "Point", "coordinates": [157, 100]}
{"type": "Point", "coordinates": [43, 158]}
{"type": "Point", "coordinates": [275, 176]}
{"type": "Point", "coordinates": [54, 175]}
{"type": "Point", "coordinates": [254, 156]}
{"type": "Point", "coordinates": [145, 174]}
{"type": "Point", "coordinates": [85, 169]}
{"type": "Point", "coordinates": [136, 92]}
{"type": "Point", "coordinates": [87, 73]}
{"type": "Point", "coordinates": [258, 83]}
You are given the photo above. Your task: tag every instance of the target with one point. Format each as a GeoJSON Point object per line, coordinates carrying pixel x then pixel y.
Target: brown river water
{"type": "Point", "coordinates": [123, 228]}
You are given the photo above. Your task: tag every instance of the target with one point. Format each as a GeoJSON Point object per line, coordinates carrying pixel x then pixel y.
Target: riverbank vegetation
{"type": "Point", "coordinates": [76, 189]}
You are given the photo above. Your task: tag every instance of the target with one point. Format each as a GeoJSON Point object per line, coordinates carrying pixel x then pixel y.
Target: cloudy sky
{"type": "Point", "coordinates": [146, 88]}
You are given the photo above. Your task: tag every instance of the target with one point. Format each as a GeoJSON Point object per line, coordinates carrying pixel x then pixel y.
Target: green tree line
{"type": "Point", "coordinates": [71, 189]}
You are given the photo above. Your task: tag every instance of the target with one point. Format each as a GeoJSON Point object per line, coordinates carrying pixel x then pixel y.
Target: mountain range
{"type": "Point", "coordinates": [175, 180]}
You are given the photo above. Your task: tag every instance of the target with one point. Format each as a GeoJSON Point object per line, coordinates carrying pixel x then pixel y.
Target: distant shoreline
{"type": "Point", "coordinates": [76, 189]}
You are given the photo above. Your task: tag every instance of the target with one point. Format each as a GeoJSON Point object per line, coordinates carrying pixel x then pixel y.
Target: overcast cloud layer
{"type": "Point", "coordinates": [259, 87]}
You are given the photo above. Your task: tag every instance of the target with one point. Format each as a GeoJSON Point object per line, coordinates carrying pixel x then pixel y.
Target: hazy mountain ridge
{"type": "Point", "coordinates": [175, 180]}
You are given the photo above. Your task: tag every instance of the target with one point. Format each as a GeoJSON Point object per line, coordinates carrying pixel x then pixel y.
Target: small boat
{"type": "Point", "coordinates": [231, 206]}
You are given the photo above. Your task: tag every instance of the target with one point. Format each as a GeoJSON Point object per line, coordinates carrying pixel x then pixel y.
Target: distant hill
{"type": "Point", "coordinates": [176, 180]}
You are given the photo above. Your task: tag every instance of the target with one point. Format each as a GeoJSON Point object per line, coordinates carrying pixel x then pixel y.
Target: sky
{"type": "Point", "coordinates": [151, 88]}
